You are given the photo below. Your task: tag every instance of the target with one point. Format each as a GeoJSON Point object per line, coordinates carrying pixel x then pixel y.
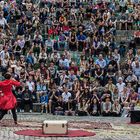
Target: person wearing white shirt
{"type": "Point", "coordinates": [3, 21]}
{"type": "Point", "coordinates": [73, 13]}
{"type": "Point", "coordinates": [38, 37]}
{"type": "Point", "coordinates": [64, 63]}
{"type": "Point", "coordinates": [49, 45]}
{"type": "Point", "coordinates": [134, 62]}
{"type": "Point", "coordinates": [66, 96]}
{"type": "Point", "coordinates": [21, 42]}
{"type": "Point", "coordinates": [55, 56]}
{"type": "Point", "coordinates": [2, 4]}
{"type": "Point", "coordinates": [136, 69]}
{"type": "Point", "coordinates": [42, 56]}
{"type": "Point", "coordinates": [30, 84]}
{"type": "Point", "coordinates": [63, 76]}
{"type": "Point", "coordinates": [120, 86]}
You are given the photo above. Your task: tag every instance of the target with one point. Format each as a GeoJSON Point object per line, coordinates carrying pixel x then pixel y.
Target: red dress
{"type": "Point", "coordinates": [7, 99]}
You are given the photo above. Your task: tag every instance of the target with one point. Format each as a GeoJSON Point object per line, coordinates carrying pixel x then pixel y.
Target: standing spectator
{"type": "Point", "coordinates": [44, 102]}
{"type": "Point", "coordinates": [121, 86]}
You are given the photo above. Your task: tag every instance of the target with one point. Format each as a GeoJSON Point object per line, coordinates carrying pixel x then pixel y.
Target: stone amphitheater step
{"type": "Point", "coordinates": [125, 32]}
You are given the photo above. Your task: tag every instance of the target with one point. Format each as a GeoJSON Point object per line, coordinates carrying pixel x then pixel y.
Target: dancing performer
{"type": "Point", "coordinates": [7, 99]}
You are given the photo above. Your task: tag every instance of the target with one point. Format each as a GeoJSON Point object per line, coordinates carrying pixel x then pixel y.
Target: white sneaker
{"type": "Point", "coordinates": [9, 112]}
{"type": "Point", "coordinates": [41, 112]}
{"type": "Point", "coordinates": [31, 111]}
{"type": "Point", "coordinates": [126, 115]}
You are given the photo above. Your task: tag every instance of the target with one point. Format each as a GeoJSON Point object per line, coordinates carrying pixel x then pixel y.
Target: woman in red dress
{"type": "Point", "coordinates": [7, 99]}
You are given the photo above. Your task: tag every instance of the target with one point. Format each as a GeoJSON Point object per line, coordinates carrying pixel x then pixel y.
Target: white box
{"type": "Point", "coordinates": [55, 127]}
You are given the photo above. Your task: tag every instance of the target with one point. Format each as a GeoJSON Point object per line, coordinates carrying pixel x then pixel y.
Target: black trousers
{"type": "Point", "coordinates": [26, 102]}
{"type": "Point", "coordinates": [4, 112]}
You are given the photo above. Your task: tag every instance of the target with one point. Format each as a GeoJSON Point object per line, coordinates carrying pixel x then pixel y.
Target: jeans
{"type": "Point", "coordinates": [62, 45]}
{"type": "Point", "coordinates": [27, 102]}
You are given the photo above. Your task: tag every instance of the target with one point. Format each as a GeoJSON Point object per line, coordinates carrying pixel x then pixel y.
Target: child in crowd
{"type": "Point", "coordinates": [116, 108]}
{"type": "Point", "coordinates": [44, 102]}
{"type": "Point", "coordinates": [125, 110]}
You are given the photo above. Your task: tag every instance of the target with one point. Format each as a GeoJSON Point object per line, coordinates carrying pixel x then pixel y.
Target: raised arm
{"type": "Point", "coordinates": [14, 82]}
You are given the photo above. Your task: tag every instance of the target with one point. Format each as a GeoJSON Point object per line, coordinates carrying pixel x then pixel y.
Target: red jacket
{"type": "Point", "coordinates": [7, 99]}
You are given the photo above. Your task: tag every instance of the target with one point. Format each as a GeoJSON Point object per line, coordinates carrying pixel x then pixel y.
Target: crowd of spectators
{"type": "Point", "coordinates": [66, 55]}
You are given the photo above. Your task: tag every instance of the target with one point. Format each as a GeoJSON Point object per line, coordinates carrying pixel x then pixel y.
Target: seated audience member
{"type": "Point", "coordinates": [133, 96]}
{"type": "Point", "coordinates": [26, 99]}
{"type": "Point", "coordinates": [83, 109]}
{"type": "Point", "coordinates": [31, 86]}
{"type": "Point", "coordinates": [41, 86]}
{"type": "Point", "coordinates": [64, 63]}
{"type": "Point", "coordinates": [72, 42]}
{"type": "Point", "coordinates": [69, 49]}
{"type": "Point", "coordinates": [125, 110]}
{"type": "Point", "coordinates": [42, 56]}
{"type": "Point", "coordinates": [62, 43]}
{"type": "Point", "coordinates": [49, 46]}
{"type": "Point", "coordinates": [116, 108]}
{"type": "Point", "coordinates": [115, 95]}
{"type": "Point", "coordinates": [110, 75]}
{"type": "Point", "coordinates": [53, 97]}
{"type": "Point", "coordinates": [110, 86]}
{"type": "Point", "coordinates": [106, 94]}
{"type": "Point", "coordinates": [81, 38]}
{"type": "Point", "coordinates": [59, 107]}
{"type": "Point", "coordinates": [94, 108]}
{"type": "Point", "coordinates": [66, 96]}
{"type": "Point", "coordinates": [101, 61]}
{"type": "Point", "coordinates": [94, 95]}
{"type": "Point", "coordinates": [107, 107]}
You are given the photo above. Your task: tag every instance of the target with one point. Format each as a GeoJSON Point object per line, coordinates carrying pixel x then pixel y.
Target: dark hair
{"type": "Point", "coordinates": [7, 76]}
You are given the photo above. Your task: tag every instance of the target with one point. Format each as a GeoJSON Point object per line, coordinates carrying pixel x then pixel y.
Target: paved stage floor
{"type": "Point", "coordinates": [110, 128]}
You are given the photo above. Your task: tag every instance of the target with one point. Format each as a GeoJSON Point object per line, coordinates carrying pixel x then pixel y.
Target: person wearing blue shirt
{"type": "Point", "coordinates": [44, 102]}
{"type": "Point", "coordinates": [30, 58]}
{"type": "Point", "coordinates": [81, 41]}
{"type": "Point", "coordinates": [100, 61]}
